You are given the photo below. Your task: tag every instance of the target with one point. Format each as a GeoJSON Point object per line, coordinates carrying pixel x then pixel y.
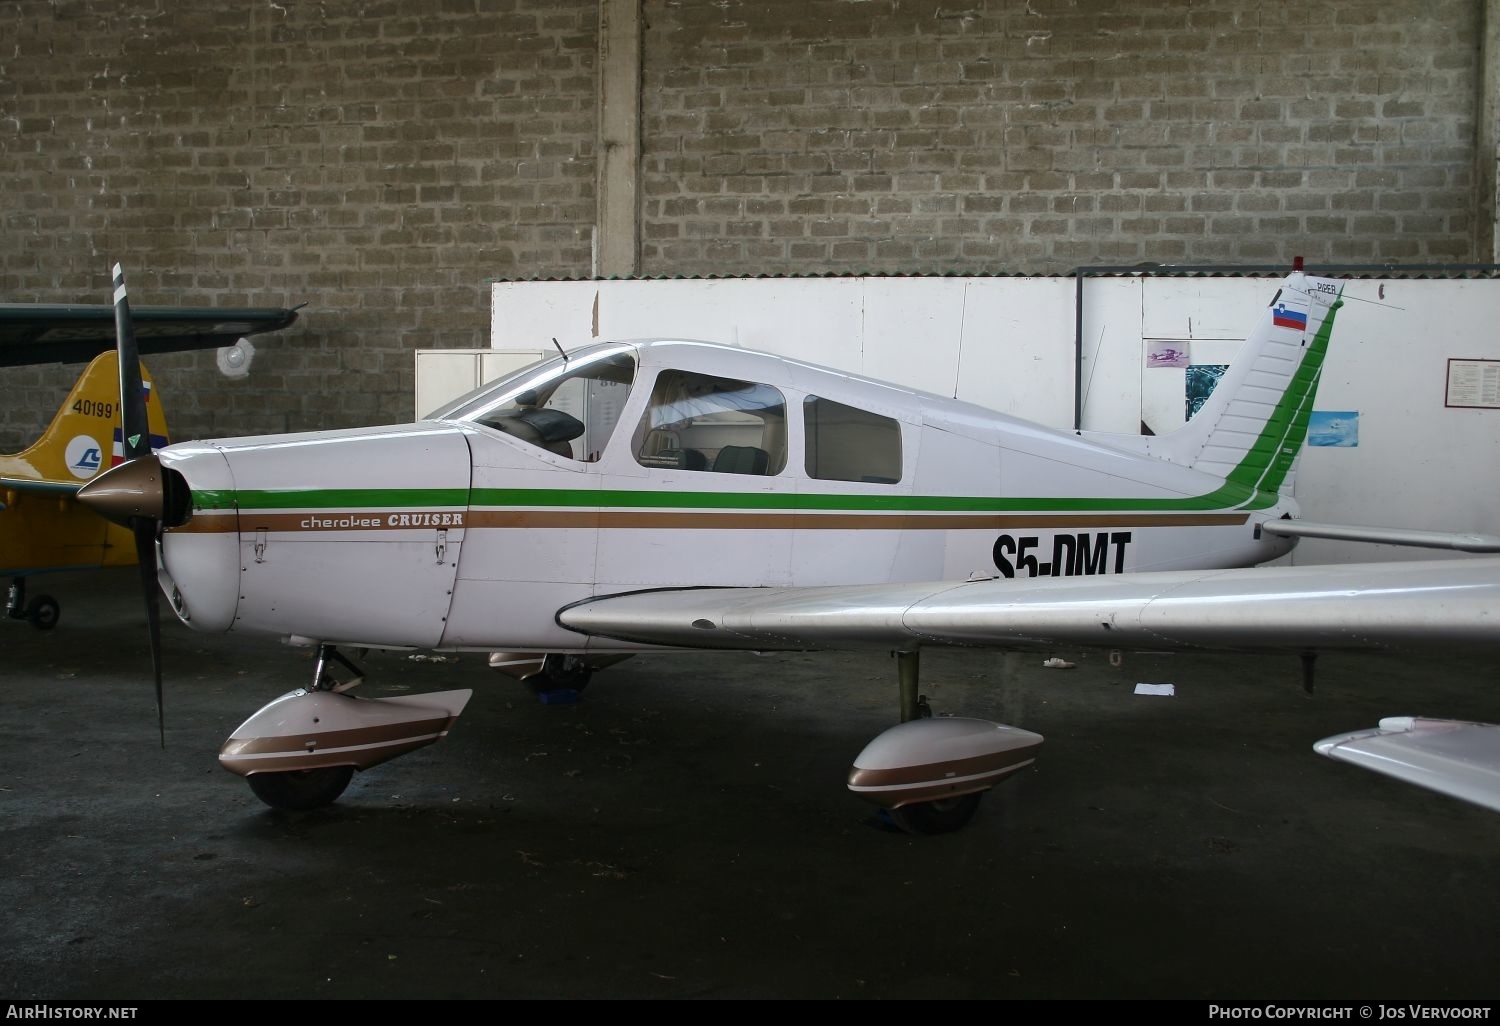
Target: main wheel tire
{"type": "Point", "coordinates": [937, 817]}
{"type": "Point", "coordinates": [300, 790]}
{"type": "Point", "coordinates": [43, 612]}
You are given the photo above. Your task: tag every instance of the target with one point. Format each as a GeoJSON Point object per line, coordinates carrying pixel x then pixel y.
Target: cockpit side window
{"type": "Point", "coordinates": [712, 424]}
{"type": "Point", "coordinates": [845, 443]}
{"type": "Point", "coordinates": [567, 408]}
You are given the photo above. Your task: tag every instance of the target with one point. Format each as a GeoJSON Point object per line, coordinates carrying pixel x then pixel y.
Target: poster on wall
{"type": "Point", "coordinates": [1337, 428]}
{"type": "Point", "coordinates": [1200, 381]}
{"type": "Point", "coordinates": [1473, 384]}
{"type": "Point", "coordinates": [1166, 354]}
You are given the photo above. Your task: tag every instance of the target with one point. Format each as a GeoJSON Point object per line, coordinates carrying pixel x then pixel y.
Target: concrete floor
{"type": "Point", "coordinates": [684, 832]}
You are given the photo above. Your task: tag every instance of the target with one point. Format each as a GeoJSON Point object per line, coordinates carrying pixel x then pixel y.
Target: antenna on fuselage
{"type": "Point", "coordinates": [559, 348]}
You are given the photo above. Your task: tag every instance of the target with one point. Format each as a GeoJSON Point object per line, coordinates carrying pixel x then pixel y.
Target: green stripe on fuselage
{"type": "Point", "coordinates": [331, 498]}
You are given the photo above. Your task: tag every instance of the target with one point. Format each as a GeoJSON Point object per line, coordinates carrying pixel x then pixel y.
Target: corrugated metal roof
{"type": "Point", "coordinates": [1456, 271]}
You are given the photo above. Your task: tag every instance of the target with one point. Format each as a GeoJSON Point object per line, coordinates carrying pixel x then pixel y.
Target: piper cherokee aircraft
{"type": "Point", "coordinates": [42, 528]}
{"type": "Point", "coordinates": [645, 494]}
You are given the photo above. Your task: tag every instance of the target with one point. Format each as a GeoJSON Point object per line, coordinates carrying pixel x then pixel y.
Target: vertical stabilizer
{"type": "Point", "coordinates": [84, 436]}
{"type": "Point", "coordinates": [1250, 431]}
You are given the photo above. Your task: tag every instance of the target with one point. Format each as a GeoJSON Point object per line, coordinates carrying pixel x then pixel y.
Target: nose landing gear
{"type": "Point", "coordinates": [300, 751]}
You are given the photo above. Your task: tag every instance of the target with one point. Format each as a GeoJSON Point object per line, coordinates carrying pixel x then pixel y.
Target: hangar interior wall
{"type": "Point", "coordinates": [1009, 344]}
{"type": "Point", "coordinates": [384, 161]}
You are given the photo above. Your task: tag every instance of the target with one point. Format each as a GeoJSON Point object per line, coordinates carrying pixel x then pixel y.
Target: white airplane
{"type": "Point", "coordinates": [646, 494]}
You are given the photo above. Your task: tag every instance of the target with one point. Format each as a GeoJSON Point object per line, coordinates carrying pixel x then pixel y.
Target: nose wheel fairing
{"type": "Point", "coordinates": [314, 730]}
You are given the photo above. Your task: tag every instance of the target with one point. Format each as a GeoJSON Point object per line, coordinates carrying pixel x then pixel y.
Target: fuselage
{"type": "Point", "coordinates": [654, 464]}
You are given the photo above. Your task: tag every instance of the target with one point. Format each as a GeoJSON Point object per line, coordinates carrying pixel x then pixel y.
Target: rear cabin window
{"type": "Point", "coordinates": [711, 424]}
{"type": "Point", "coordinates": [849, 444]}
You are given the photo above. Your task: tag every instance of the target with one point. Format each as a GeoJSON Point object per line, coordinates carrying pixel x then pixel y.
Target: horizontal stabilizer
{"type": "Point", "coordinates": [1453, 757]}
{"type": "Point", "coordinates": [1459, 541]}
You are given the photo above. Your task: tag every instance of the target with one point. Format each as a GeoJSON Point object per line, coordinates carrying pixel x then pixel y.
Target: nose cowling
{"type": "Point", "coordinates": [199, 568]}
{"type": "Point", "coordinates": [349, 537]}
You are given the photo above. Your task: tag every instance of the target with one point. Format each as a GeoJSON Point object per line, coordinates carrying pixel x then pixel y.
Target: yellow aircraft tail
{"type": "Point", "coordinates": [84, 436]}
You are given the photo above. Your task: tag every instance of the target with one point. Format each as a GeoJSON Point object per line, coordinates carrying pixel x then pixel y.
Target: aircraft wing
{"type": "Point", "coordinates": [1450, 756]}
{"type": "Point", "coordinates": [1445, 604]}
{"type": "Point", "coordinates": [62, 333]}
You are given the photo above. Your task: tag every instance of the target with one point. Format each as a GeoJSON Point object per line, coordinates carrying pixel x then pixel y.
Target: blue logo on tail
{"type": "Point", "coordinates": [83, 457]}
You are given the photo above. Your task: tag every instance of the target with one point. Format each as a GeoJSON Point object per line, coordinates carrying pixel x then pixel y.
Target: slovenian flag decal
{"type": "Point", "coordinates": [1284, 318]}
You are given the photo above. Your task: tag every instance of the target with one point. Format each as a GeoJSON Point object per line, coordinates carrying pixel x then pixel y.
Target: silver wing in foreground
{"type": "Point", "coordinates": [1443, 605]}
{"type": "Point", "coordinates": [1450, 756]}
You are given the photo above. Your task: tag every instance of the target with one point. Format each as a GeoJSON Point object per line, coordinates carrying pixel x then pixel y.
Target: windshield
{"type": "Point", "coordinates": [565, 406]}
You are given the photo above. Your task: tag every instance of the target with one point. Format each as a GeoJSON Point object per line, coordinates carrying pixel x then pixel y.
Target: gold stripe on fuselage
{"type": "Point", "coordinates": [798, 520]}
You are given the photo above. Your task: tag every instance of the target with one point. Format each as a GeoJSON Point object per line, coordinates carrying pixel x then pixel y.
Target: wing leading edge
{"type": "Point", "coordinates": [1446, 604]}
{"type": "Point", "coordinates": [1453, 757]}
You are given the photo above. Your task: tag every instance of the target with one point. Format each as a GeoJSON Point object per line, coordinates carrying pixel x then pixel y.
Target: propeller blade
{"type": "Point", "coordinates": [134, 496]}
{"type": "Point", "coordinates": [145, 554]}
{"type": "Point", "coordinates": [135, 432]}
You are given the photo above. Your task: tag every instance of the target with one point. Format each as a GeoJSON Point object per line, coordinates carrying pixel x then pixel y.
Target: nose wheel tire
{"type": "Point", "coordinates": [938, 817]}
{"type": "Point", "coordinates": [301, 790]}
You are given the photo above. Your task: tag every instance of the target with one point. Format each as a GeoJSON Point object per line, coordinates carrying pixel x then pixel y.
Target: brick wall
{"type": "Point", "coordinates": [380, 162]}
{"type": "Point", "coordinates": [384, 161]}
{"type": "Point", "coordinates": [933, 136]}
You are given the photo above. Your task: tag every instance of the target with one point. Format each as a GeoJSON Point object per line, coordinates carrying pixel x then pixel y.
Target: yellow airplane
{"type": "Point", "coordinates": [42, 528]}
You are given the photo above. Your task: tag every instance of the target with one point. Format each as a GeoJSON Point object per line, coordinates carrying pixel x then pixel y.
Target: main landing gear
{"type": "Point", "coordinates": [553, 677]}
{"type": "Point", "coordinates": [929, 774]}
{"type": "Point", "coordinates": [300, 751]}
{"type": "Point", "coordinates": [42, 612]}
{"type": "Point", "coordinates": [560, 673]}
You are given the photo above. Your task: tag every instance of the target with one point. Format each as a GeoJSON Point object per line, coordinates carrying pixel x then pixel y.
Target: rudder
{"type": "Point", "coordinates": [84, 435]}
{"type": "Point", "coordinates": [1251, 430]}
